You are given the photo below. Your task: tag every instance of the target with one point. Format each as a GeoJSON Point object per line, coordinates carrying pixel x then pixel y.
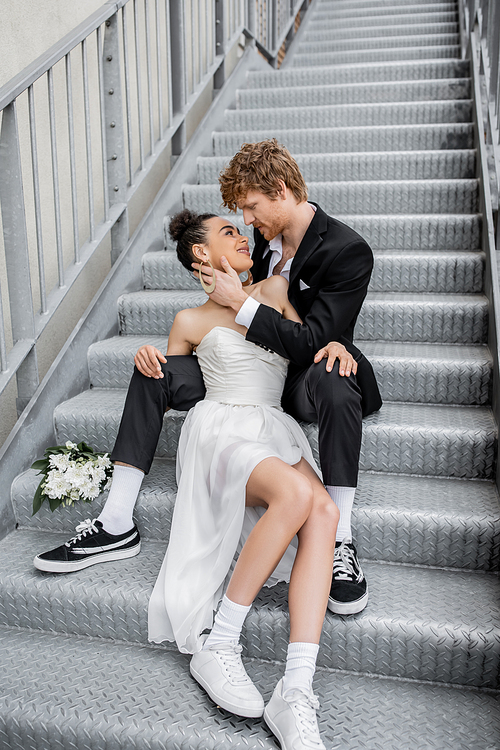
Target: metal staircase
{"type": "Point", "coordinates": [376, 105]}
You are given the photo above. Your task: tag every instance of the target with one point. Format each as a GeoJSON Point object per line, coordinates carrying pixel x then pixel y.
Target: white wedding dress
{"type": "Point", "coordinates": [238, 425]}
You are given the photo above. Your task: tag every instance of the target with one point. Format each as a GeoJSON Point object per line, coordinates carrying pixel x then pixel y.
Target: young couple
{"type": "Point", "coordinates": [252, 507]}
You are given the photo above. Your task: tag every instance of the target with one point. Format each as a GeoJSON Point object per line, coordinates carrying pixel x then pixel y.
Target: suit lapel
{"type": "Point", "coordinates": [311, 240]}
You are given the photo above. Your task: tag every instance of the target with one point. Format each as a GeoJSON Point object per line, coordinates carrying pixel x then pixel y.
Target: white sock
{"type": "Point", "coordinates": [116, 516]}
{"type": "Point", "coordinates": [300, 667]}
{"type": "Point", "coordinates": [343, 497]}
{"type": "Point", "coordinates": [228, 623]}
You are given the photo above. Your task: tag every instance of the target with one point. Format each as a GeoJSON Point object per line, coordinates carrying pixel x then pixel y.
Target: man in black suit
{"type": "Point", "coordinates": [328, 266]}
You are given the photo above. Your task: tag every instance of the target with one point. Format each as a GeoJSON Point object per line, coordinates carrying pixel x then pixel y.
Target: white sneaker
{"type": "Point", "coordinates": [220, 671]}
{"type": "Point", "coordinates": [292, 719]}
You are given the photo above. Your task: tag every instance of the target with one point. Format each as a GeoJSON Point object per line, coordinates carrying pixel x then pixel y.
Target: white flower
{"type": "Point", "coordinates": [56, 485]}
{"type": "Point", "coordinates": [60, 461]}
{"type": "Point", "coordinates": [70, 445]}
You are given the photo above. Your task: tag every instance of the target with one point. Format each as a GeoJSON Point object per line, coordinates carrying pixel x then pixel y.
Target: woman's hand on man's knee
{"type": "Point", "coordinates": [148, 361]}
{"type": "Point", "coordinates": [333, 351]}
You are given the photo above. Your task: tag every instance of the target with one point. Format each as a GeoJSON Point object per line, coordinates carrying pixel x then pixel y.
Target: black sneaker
{"type": "Point", "coordinates": [348, 593]}
{"type": "Point", "coordinates": [89, 546]}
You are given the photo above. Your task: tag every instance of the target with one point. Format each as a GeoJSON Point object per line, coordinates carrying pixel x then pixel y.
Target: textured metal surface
{"type": "Point", "coordinates": [116, 370]}
{"type": "Point", "coordinates": [443, 625]}
{"type": "Point", "coordinates": [367, 197]}
{"type": "Point", "coordinates": [426, 272]}
{"type": "Point", "coordinates": [378, 41]}
{"type": "Point", "coordinates": [434, 440]}
{"type": "Point", "coordinates": [153, 312]}
{"type": "Point", "coordinates": [376, 55]}
{"type": "Point", "coordinates": [393, 317]}
{"type": "Point", "coordinates": [354, 138]}
{"type": "Point", "coordinates": [431, 373]}
{"type": "Point", "coordinates": [390, 71]}
{"type": "Point", "coordinates": [383, 16]}
{"type": "Point", "coordinates": [388, 165]}
{"type": "Point", "coordinates": [390, 113]}
{"type": "Point", "coordinates": [365, 30]}
{"type": "Point", "coordinates": [353, 93]}
{"type": "Point", "coordinates": [397, 518]}
{"type": "Point", "coordinates": [141, 698]}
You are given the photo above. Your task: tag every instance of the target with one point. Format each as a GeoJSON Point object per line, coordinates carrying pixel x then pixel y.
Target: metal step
{"type": "Point", "coordinates": [166, 709]}
{"type": "Point", "coordinates": [366, 197]}
{"type": "Point", "coordinates": [420, 373]}
{"type": "Point", "coordinates": [419, 232]}
{"type": "Point", "coordinates": [349, 139]}
{"type": "Point", "coordinates": [359, 73]}
{"type": "Point", "coordinates": [383, 16]}
{"type": "Point", "coordinates": [376, 41]}
{"type": "Point", "coordinates": [433, 440]}
{"type": "Point", "coordinates": [396, 518]}
{"type": "Point", "coordinates": [360, 5]}
{"type": "Point", "coordinates": [430, 318]}
{"type": "Point", "coordinates": [366, 30]}
{"type": "Point", "coordinates": [399, 272]}
{"type": "Point", "coordinates": [443, 625]}
{"type": "Point", "coordinates": [354, 93]}
{"type": "Point", "coordinates": [375, 55]}
{"type": "Point", "coordinates": [374, 165]}
{"type": "Point", "coordinates": [391, 113]}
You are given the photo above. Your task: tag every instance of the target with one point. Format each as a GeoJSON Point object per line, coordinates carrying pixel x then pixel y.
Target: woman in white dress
{"type": "Point", "coordinates": [248, 488]}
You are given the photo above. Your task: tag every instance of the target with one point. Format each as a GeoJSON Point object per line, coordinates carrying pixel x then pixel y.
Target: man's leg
{"type": "Point", "coordinates": [335, 403]}
{"type": "Point", "coordinates": [113, 535]}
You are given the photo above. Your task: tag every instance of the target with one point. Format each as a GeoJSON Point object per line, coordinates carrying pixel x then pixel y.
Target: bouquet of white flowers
{"type": "Point", "coordinates": [71, 472]}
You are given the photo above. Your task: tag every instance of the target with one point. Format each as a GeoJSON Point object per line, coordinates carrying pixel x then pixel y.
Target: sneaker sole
{"type": "Point", "coordinates": [247, 713]}
{"type": "Point", "coordinates": [348, 608]}
{"type": "Point", "coordinates": [274, 729]}
{"type": "Point", "coordinates": [54, 566]}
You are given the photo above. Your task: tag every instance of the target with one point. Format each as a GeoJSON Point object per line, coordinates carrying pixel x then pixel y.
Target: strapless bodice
{"type": "Point", "coordinates": [236, 371]}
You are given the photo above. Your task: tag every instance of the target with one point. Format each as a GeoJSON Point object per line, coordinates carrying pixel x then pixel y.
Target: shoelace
{"type": "Point", "coordinates": [86, 527]}
{"type": "Point", "coordinates": [344, 565]}
{"type": "Point", "coordinates": [305, 707]}
{"type": "Point", "coordinates": [230, 657]}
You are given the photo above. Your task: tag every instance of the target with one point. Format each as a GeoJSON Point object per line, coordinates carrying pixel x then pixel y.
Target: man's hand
{"type": "Point", "coordinates": [147, 360]}
{"type": "Point", "coordinates": [333, 351]}
{"type": "Point", "coordinates": [228, 290]}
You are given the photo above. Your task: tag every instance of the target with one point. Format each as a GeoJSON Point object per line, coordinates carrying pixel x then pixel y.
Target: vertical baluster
{"type": "Point", "coordinates": [88, 144]}
{"type": "Point", "coordinates": [139, 84]}
{"type": "Point", "coordinates": [3, 345]}
{"type": "Point", "coordinates": [16, 255]}
{"type": "Point", "coordinates": [201, 57]}
{"type": "Point", "coordinates": [169, 64]}
{"type": "Point", "coordinates": [159, 76]}
{"type": "Point", "coordinates": [126, 68]}
{"type": "Point", "coordinates": [193, 47]}
{"type": "Point", "coordinates": [36, 197]}
{"type": "Point", "coordinates": [72, 161]}
{"type": "Point", "coordinates": [55, 176]}
{"type": "Point", "coordinates": [105, 186]}
{"type": "Point", "coordinates": [149, 76]}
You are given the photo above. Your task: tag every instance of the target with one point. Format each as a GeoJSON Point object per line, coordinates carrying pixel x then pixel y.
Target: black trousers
{"type": "Point", "coordinates": [311, 395]}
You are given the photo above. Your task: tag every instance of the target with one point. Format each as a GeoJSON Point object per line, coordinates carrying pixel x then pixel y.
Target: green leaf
{"type": "Point", "coordinates": [41, 465]}
{"type": "Point", "coordinates": [54, 503]}
{"type": "Point", "coordinates": [85, 448]}
{"type": "Point", "coordinates": [38, 498]}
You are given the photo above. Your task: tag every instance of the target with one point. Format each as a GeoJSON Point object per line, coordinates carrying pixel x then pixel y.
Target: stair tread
{"type": "Point", "coordinates": [166, 702]}
{"type": "Point", "coordinates": [397, 518]}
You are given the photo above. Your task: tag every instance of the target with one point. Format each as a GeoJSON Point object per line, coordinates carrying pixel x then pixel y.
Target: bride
{"type": "Point", "coordinates": [248, 488]}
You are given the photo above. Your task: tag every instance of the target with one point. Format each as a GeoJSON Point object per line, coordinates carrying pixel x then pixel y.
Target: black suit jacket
{"type": "Point", "coordinates": [336, 264]}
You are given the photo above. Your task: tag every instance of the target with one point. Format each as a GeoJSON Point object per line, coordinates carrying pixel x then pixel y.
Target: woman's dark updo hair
{"type": "Point", "coordinates": [188, 229]}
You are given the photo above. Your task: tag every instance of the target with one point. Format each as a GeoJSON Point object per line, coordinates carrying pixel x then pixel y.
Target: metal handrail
{"type": "Point", "coordinates": [105, 104]}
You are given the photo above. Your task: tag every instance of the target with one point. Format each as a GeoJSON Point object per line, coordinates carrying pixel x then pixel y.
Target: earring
{"type": "Point", "coordinates": [248, 281]}
{"type": "Point", "coordinates": [210, 287]}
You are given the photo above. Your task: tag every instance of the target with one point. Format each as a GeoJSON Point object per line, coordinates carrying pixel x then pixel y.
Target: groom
{"type": "Point", "coordinates": [328, 266]}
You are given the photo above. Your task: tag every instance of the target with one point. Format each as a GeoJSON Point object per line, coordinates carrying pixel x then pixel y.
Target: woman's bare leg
{"type": "Point", "coordinates": [312, 571]}
{"type": "Point", "coordinates": [288, 496]}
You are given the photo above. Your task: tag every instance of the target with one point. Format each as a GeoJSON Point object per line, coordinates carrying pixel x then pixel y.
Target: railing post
{"type": "Point", "coordinates": [115, 133]}
{"type": "Point", "coordinates": [178, 75]}
{"type": "Point", "coordinates": [220, 43]}
{"type": "Point", "coordinates": [16, 253]}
